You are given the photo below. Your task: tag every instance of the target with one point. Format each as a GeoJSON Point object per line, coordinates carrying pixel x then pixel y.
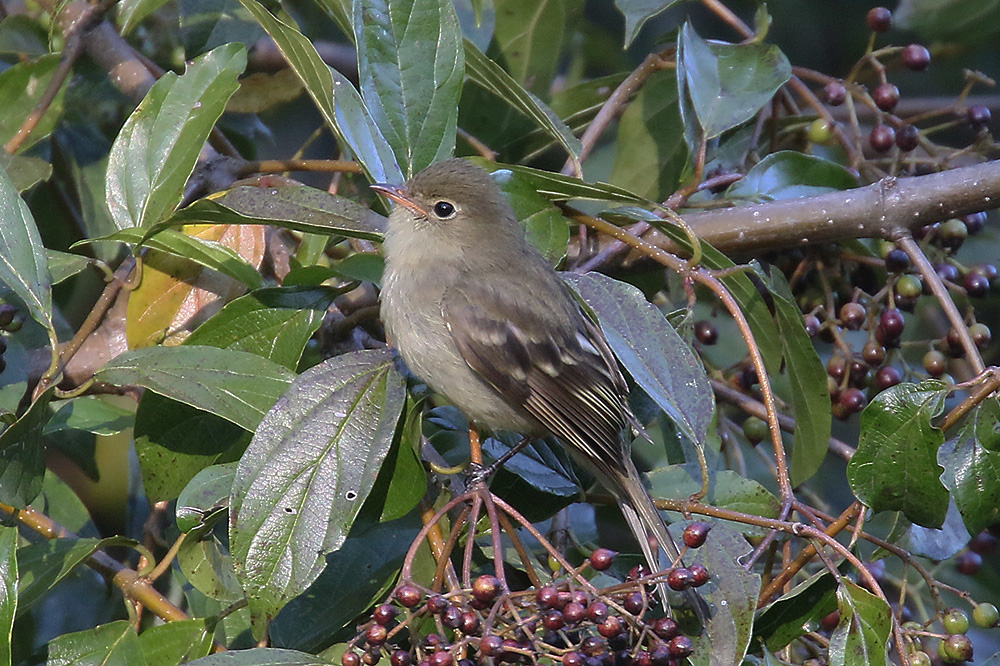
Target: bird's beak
{"type": "Point", "coordinates": [400, 195]}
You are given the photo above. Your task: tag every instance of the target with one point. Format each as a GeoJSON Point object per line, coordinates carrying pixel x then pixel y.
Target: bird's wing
{"type": "Point", "coordinates": [553, 364]}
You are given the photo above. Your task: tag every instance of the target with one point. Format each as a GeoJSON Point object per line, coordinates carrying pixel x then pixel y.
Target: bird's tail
{"type": "Point", "coordinates": [645, 520]}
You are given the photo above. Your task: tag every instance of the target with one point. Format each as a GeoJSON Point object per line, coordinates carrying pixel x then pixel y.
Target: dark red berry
{"type": "Point", "coordinates": [634, 603]}
{"type": "Point", "coordinates": [873, 353]}
{"type": "Point", "coordinates": [935, 363]}
{"type": "Point", "coordinates": [886, 377]}
{"type": "Point", "coordinates": [836, 367]}
{"type": "Point", "coordinates": [812, 325]}
{"type": "Point", "coordinates": [437, 604]}
{"type": "Point", "coordinates": [852, 315]}
{"type": "Point", "coordinates": [907, 138]}
{"type": "Point", "coordinates": [976, 285]}
{"type": "Point", "coordinates": [979, 116]}
{"type": "Point", "coordinates": [859, 373]}
{"type": "Point", "coordinates": [989, 271]}
{"type": "Point", "coordinates": [958, 647]}
{"type": "Point", "coordinates": [830, 621]}
{"type": "Point", "coordinates": [597, 612]}
{"type": "Point", "coordinates": [643, 658]}
{"type": "Point", "coordinates": [916, 57]}
{"type": "Point", "coordinates": [835, 93]}
{"type": "Point", "coordinates": [470, 623]}
{"type": "Point", "coordinates": [981, 335]}
{"type": "Point", "coordinates": [706, 332]}
{"type": "Point", "coordinates": [452, 617]}
{"type": "Point", "coordinates": [592, 646]}
{"type": "Point", "coordinates": [886, 96]}
{"type": "Point", "coordinates": [376, 634]}
{"type": "Point", "coordinates": [441, 658]}
{"type": "Point", "coordinates": [984, 543]}
{"type": "Point", "coordinates": [574, 612]}
{"type": "Point", "coordinates": [434, 642]}
{"type": "Point", "coordinates": [881, 138]}
{"type": "Point", "coordinates": [947, 272]}
{"type": "Point", "coordinates": [546, 597]}
{"type": "Point", "coordinates": [695, 534]}
{"type": "Point", "coordinates": [897, 261]}
{"type": "Point", "coordinates": [384, 614]}
{"type": "Point", "coordinates": [490, 645]}
{"type": "Point", "coordinates": [637, 572]}
{"type": "Point", "coordinates": [371, 657]}
{"type": "Point", "coordinates": [580, 597]}
{"type": "Point", "coordinates": [350, 658]}
{"type": "Point", "coordinates": [409, 596]}
{"type": "Point", "coordinates": [892, 322]}
{"type": "Point", "coordinates": [602, 559]}
{"type": "Point", "coordinates": [400, 658]}
{"type": "Point", "coordinates": [680, 578]}
{"type": "Point", "coordinates": [699, 575]}
{"type": "Point", "coordinates": [681, 646]}
{"type": "Point", "coordinates": [553, 620]}
{"type": "Point", "coordinates": [879, 19]}
{"type": "Point", "coordinates": [665, 627]}
{"type": "Point", "coordinates": [852, 400]}
{"type": "Point", "coordinates": [660, 655]}
{"type": "Point", "coordinates": [486, 588]}
{"type": "Point", "coordinates": [7, 313]}
{"type": "Point", "coordinates": [573, 659]}
{"type": "Point", "coordinates": [974, 222]}
{"type": "Point", "coordinates": [611, 626]}
{"type": "Point", "coordinates": [969, 563]}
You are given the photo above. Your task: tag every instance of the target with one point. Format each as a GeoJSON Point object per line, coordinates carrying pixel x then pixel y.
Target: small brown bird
{"type": "Point", "coordinates": [477, 313]}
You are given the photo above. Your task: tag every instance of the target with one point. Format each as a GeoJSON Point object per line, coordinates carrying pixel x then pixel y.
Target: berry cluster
{"type": "Point", "coordinates": [889, 130]}
{"type": "Point", "coordinates": [560, 621]}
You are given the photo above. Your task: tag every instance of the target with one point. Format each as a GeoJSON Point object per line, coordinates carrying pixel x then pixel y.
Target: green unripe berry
{"type": "Point", "coordinates": [908, 286]}
{"type": "Point", "coordinates": [920, 658]}
{"type": "Point", "coordinates": [755, 429]}
{"type": "Point", "coordinates": [820, 132]}
{"type": "Point", "coordinates": [955, 622]}
{"type": "Point", "coordinates": [986, 615]}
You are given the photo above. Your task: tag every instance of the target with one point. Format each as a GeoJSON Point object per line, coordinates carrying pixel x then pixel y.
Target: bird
{"type": "Point", "coordinates": [479, 315]}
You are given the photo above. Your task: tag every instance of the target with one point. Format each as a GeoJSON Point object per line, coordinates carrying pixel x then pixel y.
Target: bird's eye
{"type": "Point", "coordinates": [444, 209]}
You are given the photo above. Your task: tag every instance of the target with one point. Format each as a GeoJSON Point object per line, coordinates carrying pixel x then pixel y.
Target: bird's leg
{"type": "Point", "coordinates": [479, 473]}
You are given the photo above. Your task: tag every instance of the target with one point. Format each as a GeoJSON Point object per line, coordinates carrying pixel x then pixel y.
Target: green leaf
{"type": "Point", "coordinates": [358, 575]}
{"type": "Point", "coordinates": [538, 465]}
{"type": "Point", "coordinates": [157, 149]}
{"type": "Point", "coordinates": [23, 36]}
{"type": "Point", "coordinates": [558, 187]}
{"type": "Point", "coordinates": [728, 83]}
{"type": "Point", "coordinates": [637, 12]}
{"type": "Point", "coordinates": [797, 612]}
{"type": "Point", "coordinates": [651, 150]}
{"type": "Point", "coordinates": [545, 227]}
{"type": "Point", "coordinates": [964, 22]}
{"type": "Point", "coordinates": [175, 441]}
{"type": "Point", "coordinates": [21, 87]}
{"type": "Point", "coordinates": [895, 467]}
{"type": "Point", "coordinates": [25, 171]}
{"type": "Point", "coordinates": [809, 393]}
{"type": "Point", "coordinates": [338, 102]}
{"type": "Point", "coordinates": [726, 489]}
{"type": "Point", "coordinates": [972, 471]}
{"type": "Point", "coordinates": [63, 265]}
{"type": "Point", "coordinates": [364, 266]}
{"type": "Point", "coordinates": [307, 472]}
{"type": "Point", "coordinates": [205, 494]}
{"type": "Point", "coordinates": [208, 253]}
{"type": "Point", "coordinates": [42, 565]}
{"type": "Point", "coordinates": [732, 591]}
{"type": "Point", "coordinates": [301, 208]}
{"type": "Point", "coordinates": [862, 636]}
{"type": "Point", "coordinates": [275, 323]}
{"type": "Point", "coordinates": [176, 642]}
{"type": "Point", "coordinates": [238, 386]}
{"type": "Point", "coordinates": [260, 657]}
{"type": "Point", "coordinates": [652, 351]}
{"type": "Point", "coordinates": [791, 175]}
{"type": "Point", "coordinates": [489, 75]}
{"type": "Point", "coordinates": [23, 264]}
{"type": "Point", "coordinates": [529, 35]}
{"type": "Point", "coordinates": [411, 66]}
{"type": "Point", "coordinates": [407, 478]}
{"type": "Point", "coordinates": [22, 455]}
{"type": "Point", "coordinates": [8, 589]}
{"type": "Point", "coordinates": [113, 644]}
{"type": "Point", "coordinates": [91, 414]}
{"type": "Point", "coordinates": [132, 12]}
